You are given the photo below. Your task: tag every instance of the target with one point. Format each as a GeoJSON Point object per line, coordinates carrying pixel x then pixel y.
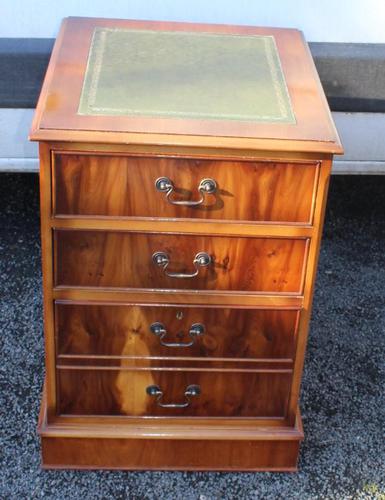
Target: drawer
{"type": "Point", "coordinates": [125, 186]}
{"type": "Point", "coordinates": [194, 393]}
{"type": "Point", "coordinates": [169, 261]}
{"type": "Point", "coordinates": [153, 331]}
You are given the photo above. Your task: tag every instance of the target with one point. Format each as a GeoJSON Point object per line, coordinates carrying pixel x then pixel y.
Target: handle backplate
{"type": "Point", "coordinates": [160, 331]}
{"type": "Point", "coordinates": [156, 391]}
{"type": "Point", "coordinates": [201, 259]}
{"type": "Point", "coordinates": [165, 185]}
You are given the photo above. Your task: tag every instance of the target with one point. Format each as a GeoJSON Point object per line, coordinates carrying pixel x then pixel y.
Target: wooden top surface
{"type": "Point", "coordinates": [141, 82]}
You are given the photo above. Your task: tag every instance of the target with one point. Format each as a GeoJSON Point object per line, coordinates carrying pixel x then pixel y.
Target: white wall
{"type": "Point", "coordinates": [321, 20]}
{"type": "Point", "coordinates": [361, 135]}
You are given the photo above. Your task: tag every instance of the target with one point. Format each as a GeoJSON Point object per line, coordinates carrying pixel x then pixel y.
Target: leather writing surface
{"type": "Point", "coordinates": [185, 75]}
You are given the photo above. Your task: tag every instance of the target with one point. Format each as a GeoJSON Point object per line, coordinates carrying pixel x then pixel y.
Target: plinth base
{"type": "Point", "coordinates": [168, 445]}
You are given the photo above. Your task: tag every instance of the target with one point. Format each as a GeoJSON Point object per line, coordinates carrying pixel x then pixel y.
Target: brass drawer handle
{"type": "Point", "coordinates": [191, 390]}
{"type": "Point", "coordinates": [161, 259]}
{"type": "Point", "coordinates": [160, 331]}
{"type": "Point", "coordinates": [165, 185]}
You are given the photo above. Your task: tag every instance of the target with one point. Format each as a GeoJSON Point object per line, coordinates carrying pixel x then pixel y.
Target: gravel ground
{"type": "Point", "coordinates": [343, 454]}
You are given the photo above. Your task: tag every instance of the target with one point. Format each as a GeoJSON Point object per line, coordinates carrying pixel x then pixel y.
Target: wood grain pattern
{"type": "Point", "coordinates": [70, 361]}
{"type": "Point", "coordinates": [173, 149]}
{"type": "Point", "coordinates": [120, 330]}
{"type": "Point", "coordinates": [48, 278]}
{"type": "Point", "coordinates": [314, 249]}
{"type": "Point", "coordinates": [122, 259]}
{"type": "Point", "coordinates": [135, 443]}
{"type": "Point", "coordinates": [169, 454]}
{"type": "Point", "coordinates": [182, 297]}
{"type": "Point", "coordinates": [123, 392]}
{"type": "Point", "coordinates": [102, 220]}
{"type": "Point", "coordinates": [124, 186]}
{"type": "Point", "coordinates": [185, 226]}
{"type": "Point", "coordinates": [57, 115]}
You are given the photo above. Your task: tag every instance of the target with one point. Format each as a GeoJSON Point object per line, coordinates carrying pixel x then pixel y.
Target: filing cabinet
{"type": "Point", "coordinates": [184, 172]}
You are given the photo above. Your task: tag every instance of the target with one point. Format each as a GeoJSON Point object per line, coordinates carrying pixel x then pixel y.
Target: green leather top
{"type": "Point", "coordinates": [185, 75]}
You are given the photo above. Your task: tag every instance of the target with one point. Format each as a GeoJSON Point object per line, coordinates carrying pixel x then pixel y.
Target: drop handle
{"type": "Point", "coordinates": [156, 391]}
{"type": "Point", "coordinates": [160, 331]}
{"type": "Point", "coordinates": [161, 259]}
{"type": "Point", "coordinates": [165, 185]}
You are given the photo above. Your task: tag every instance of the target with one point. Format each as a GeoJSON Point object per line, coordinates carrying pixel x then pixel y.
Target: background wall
{"type": "Point", "coordinates": [323, 21]}
{"type": "Point", "coordinates": [350, 60]}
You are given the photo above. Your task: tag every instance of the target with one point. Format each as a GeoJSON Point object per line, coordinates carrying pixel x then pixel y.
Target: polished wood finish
{"type": "Point", "coordinates": [123, 392]}
{"type": "Point", "coordinates": [124, 260]}
{"type": "Point", "coordinates": [102, 220]}
{"type": "Point", "coordinates": [206, 297]}
{"type": "Point", "coordinates": [117, 330]}
{"type": "Point", "coordinates": [168, 454]}
{"type": "Point", "coordinates": [69, 361]}
{"type": "Point", "coordinates": [191, 428]}
{"type": "Point", "coordinates": [124, 186]}
{"type": "Point", "coordinates": [237, 444]}
{"type": "Point", "coordinates": [56, 114]}
{"type": "Point", "coordinates": [47, 252]}
{"type": "Point", "coordinates": [309, 286]}
{"type": "Point", "coordinates": [185, 226]}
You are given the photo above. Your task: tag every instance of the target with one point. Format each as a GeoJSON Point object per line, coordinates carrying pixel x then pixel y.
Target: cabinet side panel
{"type": "Point", "coordinates": [311, 273]}
{"type": "Point", "coordinates": [47, 268]}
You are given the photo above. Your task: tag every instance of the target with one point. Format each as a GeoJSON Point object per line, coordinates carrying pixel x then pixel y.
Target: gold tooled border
{"type": "Point", "coordinates": [87, 100]}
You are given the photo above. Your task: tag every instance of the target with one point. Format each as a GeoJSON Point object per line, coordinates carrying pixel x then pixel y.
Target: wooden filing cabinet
{"type": "Point", "coordinates": [184, 173]}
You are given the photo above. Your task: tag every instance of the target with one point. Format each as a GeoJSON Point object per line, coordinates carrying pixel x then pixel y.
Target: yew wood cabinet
{"type": "Point", "coordinates": [184, 172]}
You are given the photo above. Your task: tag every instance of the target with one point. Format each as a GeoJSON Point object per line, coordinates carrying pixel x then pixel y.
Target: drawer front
{"type": "Point", "coordinates": [126, 392]}
{"type": "Point", "coordinates": [127, 260]}
{"type": "Point", "coordinates": [153, 331]}
{"type": "Point", "coordinates": [121, 186]}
